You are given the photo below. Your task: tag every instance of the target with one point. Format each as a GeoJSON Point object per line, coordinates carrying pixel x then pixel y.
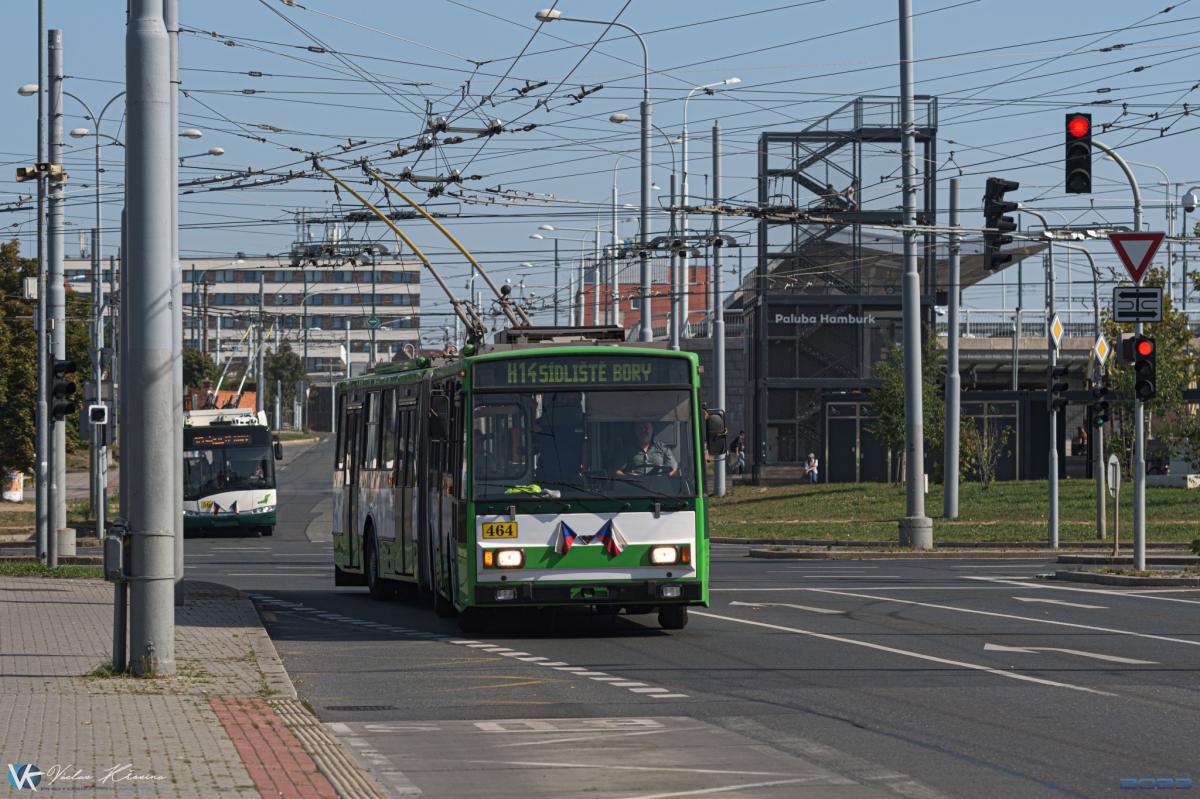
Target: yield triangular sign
{"type": "Point", "coordinates": [1136, 250]}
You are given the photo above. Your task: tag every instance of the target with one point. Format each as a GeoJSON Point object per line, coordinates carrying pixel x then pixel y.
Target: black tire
{"type": "Point", "coordinates": [673, 617]}
{"type": "Point", "coordinates": [376, 585]}
{"type": "Point", "coordinates": [268, 531]}
{"type": "Point", "coordinates": [473, 621]}
{"type": "Point", "coordinates": [443, 607]}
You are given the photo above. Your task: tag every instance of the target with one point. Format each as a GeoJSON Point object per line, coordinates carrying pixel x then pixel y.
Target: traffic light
{"type": "Point", "coordinates": [62, 390]}
{"type": "Point", "coordinates": [1079, 153]}
{"type": "Point", "coordinates": [1058, 388]}
{"type": "Point", "coordinates": [1145, 364]}
{"type": "Point", "coordinates": [994, 209]}
{"type": "Point", "coordinates": [1099, 406]}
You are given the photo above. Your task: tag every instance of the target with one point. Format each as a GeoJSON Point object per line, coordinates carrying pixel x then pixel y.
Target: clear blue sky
{"type": "Point", "coordinates": [1005, 73]}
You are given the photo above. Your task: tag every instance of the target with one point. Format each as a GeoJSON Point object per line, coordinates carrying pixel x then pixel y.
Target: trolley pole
{"type": "Point", "coordinates": [148, 464]}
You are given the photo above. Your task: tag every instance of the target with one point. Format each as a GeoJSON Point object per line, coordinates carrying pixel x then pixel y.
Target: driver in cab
{"type": "Point", "coordinates": [650, 457]}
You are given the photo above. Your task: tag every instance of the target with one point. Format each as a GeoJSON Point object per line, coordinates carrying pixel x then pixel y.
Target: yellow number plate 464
{"type": "Point", "coordinates": [499, 529]}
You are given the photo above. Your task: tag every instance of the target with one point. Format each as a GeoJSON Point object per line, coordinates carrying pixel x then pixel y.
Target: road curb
{"type": "Point", "coordinates": [900, 554]}
{"type": "Point", "coordinates": [1121, 579]}
{"type": "Point", "coordinates": [825, 543]}
{"type": "Point", "coordinates": [349, 778]}
{"type": "Point", "coordinates": [1179, 559]}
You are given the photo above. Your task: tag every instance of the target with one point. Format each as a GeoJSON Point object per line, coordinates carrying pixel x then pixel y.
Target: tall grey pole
{"type": "Point", "coordinates": [260, 380]}
{"type": "Point", "coordinates": [1052, 360]}
{"type": "Point", "coordinates": [718, 314]}
{"type": "Point", "coordinates": [148, 464]}
{"type": "Point", "coordinates": [647, 314]}
{"type": "Point", "coordinates": [99, 450]}
{"type": "Point", "coordinates": [557, 287]}
{"type": "Point", "coordinates": [597, 274]}
{"type": "Point", "coordinates": [42, 513]}
{"type": "Point", "coordinates": [614, 279]}
{"type": "Point", "coordinates": [682, 303]}
{"type": "Point", "coordinates": [123, 439]}
{"type": "Point", "coordinates": [56, 297]}
{"type": "Point", "coordinates": [953, 379]}
{"type": "Point", "coordinates": [916, 529]}
{"type": "Point", "coordinates": [1139, 409]}
{"type": "Point", "coordinates": [171, 22]}
{"type": "Point", "coordinates": [674, 295]}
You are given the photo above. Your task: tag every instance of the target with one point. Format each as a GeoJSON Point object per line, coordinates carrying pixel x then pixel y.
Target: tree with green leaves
{"type": "Point", "coordinates": [287, 368]}
{"type": "Point", "coordinates": [18, 361]}
{"type": "Point", "coordinates": [887, 400]}
{"type": "Point", "coordinates": [1172, 420]}
{"type": "Point", "coordinates": [197, 368]}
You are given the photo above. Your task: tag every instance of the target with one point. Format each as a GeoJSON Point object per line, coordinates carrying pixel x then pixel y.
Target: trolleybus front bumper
{"type": "Point", "coordinates": [640, 592]}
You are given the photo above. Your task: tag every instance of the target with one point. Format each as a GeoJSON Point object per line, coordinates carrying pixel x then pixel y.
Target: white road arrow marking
{"type": "Point", "coordinates": [1059, 602]}
{"type": "Point", "coordinates": [1093, 655]}
{"type": "Point", "coordinates": [809, 608]}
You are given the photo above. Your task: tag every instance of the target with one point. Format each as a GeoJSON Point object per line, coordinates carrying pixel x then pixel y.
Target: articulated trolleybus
{"type": "Point", "coordinates": [537, 476]}
{"type": "Point", "coordinates": [229, 471]}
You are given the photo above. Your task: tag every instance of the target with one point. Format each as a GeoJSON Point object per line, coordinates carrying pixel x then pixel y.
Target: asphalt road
{"type": "Point", "coordinates": [916, 678]}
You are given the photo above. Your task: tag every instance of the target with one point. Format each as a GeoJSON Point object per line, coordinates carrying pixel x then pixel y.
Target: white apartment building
{"type": "Point", "coordinates": [369, 305]}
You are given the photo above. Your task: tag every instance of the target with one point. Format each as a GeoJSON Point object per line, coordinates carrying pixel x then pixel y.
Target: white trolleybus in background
{"type": "Point", "coordinates": [229, 471]}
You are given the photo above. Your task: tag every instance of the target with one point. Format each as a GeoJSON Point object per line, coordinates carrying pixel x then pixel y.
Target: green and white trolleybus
{"type": "Point", "coordinates": [546, 475]}
{"type": "Point", "coordinates": [229, 471]}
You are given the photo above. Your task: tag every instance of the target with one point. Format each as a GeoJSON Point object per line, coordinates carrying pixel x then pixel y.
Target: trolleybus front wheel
{"type": "Point", "coordinates": [375, 586]}
{"type": "Point", "coordinates": [673, 617]}
{"type": "Point", "coordinates": [473, 621]}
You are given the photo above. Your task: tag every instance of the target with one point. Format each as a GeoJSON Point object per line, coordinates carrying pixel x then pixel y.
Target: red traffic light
{"type": "Point", "coordinates": [1078, 126]}
{"type": "Point", "coordinates": [1145, 348]}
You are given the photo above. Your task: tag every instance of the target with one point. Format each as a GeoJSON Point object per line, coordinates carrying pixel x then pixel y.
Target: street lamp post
{"type": "Point", "coordinates": [550, 15]}
{"type": "Point", "coordinates": [683, 215]}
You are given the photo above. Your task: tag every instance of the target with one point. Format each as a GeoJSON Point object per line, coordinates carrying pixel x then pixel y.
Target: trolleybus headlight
{"type": "Point", "coordinates": [664, 555]}
{"type": "Point", "coordinates": [510, 558]}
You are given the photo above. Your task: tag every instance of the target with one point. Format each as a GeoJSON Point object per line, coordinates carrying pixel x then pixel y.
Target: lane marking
{"type": "Point", "coordinates": [723, 789]}
{"type": "Point", "coordinates": [1080, 653]}
{"type": "Point", "coordinates": [628, 684]}
{"type": "Point", "coordinates": [649, 690]}
{"type": "Point", "coordinates": [907, 653]}
{"type": "Point", "coordinates": [1012, 616]}
{"type": "Point", "coordinates": [668, 696]}
{"type": "Point", "coordinates": [613, 767]}
{"type": "Point", "coordinates": [787, 605]}
{"type": "Point", "coordinates": [1059, 602]}
{"type": "Point", "coordinates": [844, 576]}
{"type": "Point", "coordinates": [1105, 591]}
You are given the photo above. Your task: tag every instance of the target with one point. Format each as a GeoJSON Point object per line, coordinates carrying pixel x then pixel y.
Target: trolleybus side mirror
{"type": "Point", "coordinates": [278, 449]}
{"type": "Point", "coordinates": [715, 431]}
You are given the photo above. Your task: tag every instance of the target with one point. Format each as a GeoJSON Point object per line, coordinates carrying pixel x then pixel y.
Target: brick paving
{"type": "Point", "coordinates": [206, 732]}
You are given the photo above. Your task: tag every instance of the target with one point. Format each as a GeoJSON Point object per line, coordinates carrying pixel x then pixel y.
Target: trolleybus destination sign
{"type": "Point", "coordinates": [594, 371]}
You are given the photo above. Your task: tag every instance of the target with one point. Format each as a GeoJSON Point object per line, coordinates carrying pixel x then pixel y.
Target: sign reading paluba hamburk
{"type": "Point", "coordinates": [824, 319]}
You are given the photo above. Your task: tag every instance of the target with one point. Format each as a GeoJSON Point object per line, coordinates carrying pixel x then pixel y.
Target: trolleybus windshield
{"type": "Point", "coordinates": [217, 459]}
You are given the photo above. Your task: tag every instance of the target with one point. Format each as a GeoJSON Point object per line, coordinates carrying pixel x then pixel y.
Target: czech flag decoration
{"type": "Point", "coordinates": [565, 539]}
{"type": "Point", "coordinates": [612, 539]}
{"type": "Point", "coordinates": [608, 535]}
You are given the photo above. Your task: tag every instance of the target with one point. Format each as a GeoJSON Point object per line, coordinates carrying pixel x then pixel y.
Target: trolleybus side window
{"type": "Point", "coordinates": [370, 450]}
{"type": "Point", "coordinates": [341, 432]}
{"type": "Point", "coordinates": [389, 430]}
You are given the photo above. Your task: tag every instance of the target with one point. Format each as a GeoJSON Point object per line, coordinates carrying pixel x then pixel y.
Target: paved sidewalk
{"type": "Point", "coordinates": [227, 725]}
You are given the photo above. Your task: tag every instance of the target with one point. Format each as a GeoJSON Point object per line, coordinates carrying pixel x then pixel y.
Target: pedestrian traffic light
{"type": "Point", "coordinates": [1058, 388]}
{"type": "Point", "coordinates": [1145, 365]}
{"type": "Point", "coordinates": [994, 209]}
{"type": "Point", "coordinates": [62, 390]}
{"type": "Point", "coordinates": [1099, 406]}
{"type": "Point", "coordinates": [1079, 153]}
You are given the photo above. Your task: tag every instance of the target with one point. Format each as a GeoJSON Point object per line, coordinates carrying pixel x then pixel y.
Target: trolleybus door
{"type": "Point", "coordinates": [354, 453]}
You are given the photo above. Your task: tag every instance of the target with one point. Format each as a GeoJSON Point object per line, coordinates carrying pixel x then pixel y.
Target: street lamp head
{"type": "Point", "coordinates": [547, 15]}
{"type": "Point", "coordinates": [526, 265]}
{"type": "Point", "coordinates": [545, 227]}
{"type": "Point", "coordinates": [190, 133]}
{"type": "Point", "coordinates": [618, 118]}
{"type": "Point", "coordinates": [79, 133]}
{"type": "Point", "coordinates": [537, 236]}
{"type": "Point", "coordinates": [216, 151]}
{"type": "Point", "coordinates": [732, 81]}
{"type": "Point", "coordinates": [28, 90]}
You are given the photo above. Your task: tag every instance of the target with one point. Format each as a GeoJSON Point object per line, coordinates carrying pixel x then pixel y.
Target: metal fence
{"type": "Point", "coordinates": [992, 323]}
